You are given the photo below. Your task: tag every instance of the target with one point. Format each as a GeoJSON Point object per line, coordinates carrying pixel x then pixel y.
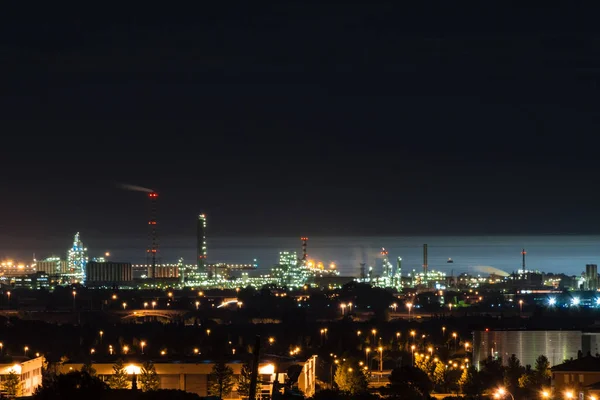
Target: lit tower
{"type": "Point", "coordinates": [425, 264]}
{"type": "Point", "coordinates": [399, 271]}
{"type": "Point", "coordinates": [387, 273]}
{"type": "Point", "coordinates": [152, 234]}
{"type": "Point", "coordinates": [201, 244]}
{"type": "Point", "coordinates": [523, 253]}
{"type": "Point", "coordinates": [304, 259]}
{"type": "Point", "coordinates": [77, 259]}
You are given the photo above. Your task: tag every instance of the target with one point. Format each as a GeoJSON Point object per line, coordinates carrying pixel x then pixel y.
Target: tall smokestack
{"type": "Point", "coordinates": [362, 271]}
{"type": "Point", "coordinates": [523, 253]}
{"type": "Point", "coordinates": [425, 261]}
{"type": "Point", "coordinates": [152, 234]}
{"type": "Point", "coordinates": [201, 245]}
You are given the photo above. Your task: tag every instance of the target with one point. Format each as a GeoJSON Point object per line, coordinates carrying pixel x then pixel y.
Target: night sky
{"type": "Point", "coordinates": [299, 119]}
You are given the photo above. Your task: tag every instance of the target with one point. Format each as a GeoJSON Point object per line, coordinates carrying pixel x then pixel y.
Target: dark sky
{"type": "Point", "coordinates": [300, 119]}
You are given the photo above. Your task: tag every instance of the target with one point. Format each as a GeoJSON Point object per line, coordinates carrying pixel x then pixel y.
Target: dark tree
{"type": "Point", "coordinates": [408, 383]}
{"type": "Point", "coordinates": [220, 380]}
{"type": "Point", "coordinates": [73, 385]}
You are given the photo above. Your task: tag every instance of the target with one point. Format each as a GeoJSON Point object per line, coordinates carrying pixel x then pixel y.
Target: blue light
{"type": "Point", "coordinates": [552, 301]}
{"type": "Point", "coordinates": [575, 301]}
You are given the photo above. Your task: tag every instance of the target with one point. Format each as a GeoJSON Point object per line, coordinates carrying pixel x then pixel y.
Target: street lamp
{"type": "Point", "coordinates": [380, 358]}
{"type": "Point", "coordinates": [1, 347]}
{"type": "Point", "coordinates": [25, 350]}
{"type": "Point", "coordinates": [521, 305]}
{"type": "Point", "coordinates": [501, 392]}
{"type": "Point", "coordinates": [409, 306]}
{"type": "Point", "coordinates": [124, 305]}
{"type": "Point", "coordinates": [413, 333]}
{"type": "Point", "coordinates": [197, 305]}
{"type": "Point", "coordinates": [143, 344]}
{"type": "Point", "coordinates": [546, 395]}
{"type": "Point", "coordinates": [153, 304]}
{"type": "Point", "coordinates": [374, 332]}
{"type": "Point", "coordinates": [74, 294]}
{"type": "Point", "coordinates": [110, 349]}
{"type": "Point", "coordinates": [8, 294]}
{"type": "Point", "coordinates": [443, 331]}
{"type": "Point", "coordinates": [145, 304]}
{"type": "Point", "coordinates": [412, 352]}
{"type": "Point", "coordinates": [455, 336]}
{"type": "Point", "coordinates": [208, 332]}
{"type": "Point", "coordinates": [196, 350]}
{"type": "Point", "coordinates": [125, 349]}
{"type": "Point", "coordinates": [569, 394]}
{"type": "Point", "coordinates": [367, 350]}
{"type": "Point", "coordinates": [430, 350]}
{"type": "Point", "coordinates": [271, 341]}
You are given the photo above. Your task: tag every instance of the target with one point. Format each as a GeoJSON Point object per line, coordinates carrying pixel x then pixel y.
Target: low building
{"type": "Point", "coordinates": [108, 273]}
{"type": "Point", "coordinates": [29, 373]}
{"type": "Point", "coordinates": [193, 376]}
{"type": "Point", "coordinates": [578, 378]}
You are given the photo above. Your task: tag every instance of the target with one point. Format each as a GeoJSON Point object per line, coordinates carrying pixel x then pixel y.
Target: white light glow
{"type": "Point", "coordinates": [268, 369]}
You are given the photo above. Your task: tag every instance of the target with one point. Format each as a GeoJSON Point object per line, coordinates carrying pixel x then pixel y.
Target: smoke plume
{"type": "Point", "coordinates": [134, 188]}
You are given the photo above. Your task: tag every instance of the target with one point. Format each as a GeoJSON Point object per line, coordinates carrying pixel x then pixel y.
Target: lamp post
{"type": "Point", "coordinates": [333, 362]}
{"type": "Point", "coordinates": [25, 350]}
{"type": "Point", "coordinates": [380, 358]}
{"type": "Point", "coordinates": [367, 350]}
{"type": "Point", "coordinates": [153, 304]}
{"type": "Point", "coordinates": [101, 334]}
{"type": "Point", "coordinates": [409, 306]}
{"type": "Point", "coordinates": [197, 305]}
{"type": "Point", "coordinates": [412, 353]}
{"type": "Point", "coordinates": [143, 344]}
{"type": "Point", "coordinates": [74, 295]}
{"type": "Point", "coordinates": [374, 332]}
{"type": "Point", "coordinates": [521, 306]}
{"type": "Point", "coordinates": [8, 295]}
{"type": "Point", "coordinates": [1, 347]}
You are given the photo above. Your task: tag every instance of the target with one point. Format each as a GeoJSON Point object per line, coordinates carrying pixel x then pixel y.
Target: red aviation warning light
{"type": "Point", "coordinates": [384, 252]}
{"type": "Point", "coordinates": [153, 195]}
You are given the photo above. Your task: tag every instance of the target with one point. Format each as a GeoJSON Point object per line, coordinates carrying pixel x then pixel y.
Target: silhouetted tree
{"type": "Point", "coordinates": [221, 380]}
{"type": "Point", "coordinates": [118, 379]}
{"type": "Point", "coordinates": [470, 383]}
{"type": "Point", "coordinates": [492, 372]}
{"type": "Point", "coordinates": [513, 372]}
{"type": "Point", "coordinates": [440, 377]}
{"type": "Point", "coordinates": [88, 369]}
{"type": "Point", "coordinates": [243, 387]}
{"type": "Point", "coordinates": [73, 385]}
{"type": "Point", "coordinates": [12, 384]}
{"type": "Point", "coordinates": [149, 379]}
{"type": "Point", "coordinates": [409, 383]}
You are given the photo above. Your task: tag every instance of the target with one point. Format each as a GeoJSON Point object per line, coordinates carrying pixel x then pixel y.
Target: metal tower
{"type": "Point", "coordinates": [362, 272]}
{"type": "Point", "coordinates": [386, 265]}
{"type": "Point", "coordinates": [152, 234]}
{"type": "Point", "coordinates": [523, 253]}
{"type": "Point", "coordinates": [304, 259]}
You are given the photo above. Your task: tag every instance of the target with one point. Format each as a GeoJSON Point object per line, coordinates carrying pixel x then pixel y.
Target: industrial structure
{"type": "Point", "coordinates": [77, 258]}
{"type": "Point", "coordinates": [153, 233]}
{"type": "Point", "coordinates": [201, 245]}
{"type": "Point", "coordinates": [108, 274]}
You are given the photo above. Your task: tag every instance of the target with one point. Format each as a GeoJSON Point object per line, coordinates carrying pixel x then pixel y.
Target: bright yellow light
{"type": "Point", "coordinates": [196, 351]}
{"type": "Point", "coordinates": [268, 369]}
{"type": "Point", "coordinates": [132, 369]}
{"type": "Point", "coordinates": [271, 340]}
{"type": "Point", "coordinates": [501, 391]}
{"type": "Point", "coordinates": [569, 395]}
{"type": "Point", "coordinates": [545, 395]}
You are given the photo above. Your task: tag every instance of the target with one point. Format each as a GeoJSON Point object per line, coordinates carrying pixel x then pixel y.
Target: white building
{"type": "Point", "coordinates": [29, 373]}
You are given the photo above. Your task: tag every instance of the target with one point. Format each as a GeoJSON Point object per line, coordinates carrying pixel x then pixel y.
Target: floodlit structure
{"type": "Point", "coordinates": [192, 375]}
{"type": "Point", "coordinates": [526, 345]}
{"type": "Point", "coordinates": [29, 373]}
{"type": "Point", "coordinates": [77, 258]}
